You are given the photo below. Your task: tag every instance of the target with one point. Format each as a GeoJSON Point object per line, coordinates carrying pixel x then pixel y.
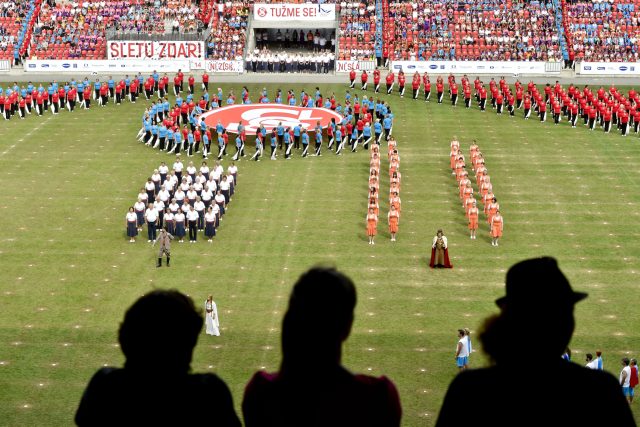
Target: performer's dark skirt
{"type": "Point", "coordinates": [132, 229]}
{"type": "Point", "coordinates": [210, 229]}
{"type": "Point", "coordinates": [171, 227]}
{"type": "Point", "coordinates": [180, 230]}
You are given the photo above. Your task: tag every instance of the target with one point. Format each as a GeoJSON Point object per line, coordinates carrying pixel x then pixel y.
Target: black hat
{"type": "Point", "coordinates": [538, 280]}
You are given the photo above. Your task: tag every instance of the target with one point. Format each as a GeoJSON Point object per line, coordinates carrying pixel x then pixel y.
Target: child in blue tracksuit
{"type": "Point", "coordinates": [162, 136]}
{"type": "Point", "coordinates": [386, 124]}
{"type": "Point", "coordinates": [366, 135]}
{"type": "Point", "coordinates": [354, 139]}
{"type": "Point", "coordinates": [190, 140]}
{"type": "Point", "coordinates": [170, 141]}
{"type": "Point", "coordinates": [377, 129]}
{"type": "Point", "coordinates": [287, 141]}
{"type": "Point", "coordinates": [239, 148]}
{"type": "Point", "coordinates": [206, 143]}
{"type": "Point", "coordinates": [338, 141]}
{"type": "Point", "coordinates": [296, 136]}
{"type": "Point", "coordinates": [274, 141]}
{"type": "Point", "coordinates": [177, 136]}
{"type": "Point", "coordinates": [305, 142]}
{"type": "Point", "coordinates": [318, 139]}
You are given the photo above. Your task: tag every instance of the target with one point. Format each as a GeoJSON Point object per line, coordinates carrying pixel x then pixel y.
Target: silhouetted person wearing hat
{"type": "Point", "coordinates": [536, 319]}
{"type": "Point", "coordinates": [312, 388]}
{"type": "Point", "coordinates": [155, 388]}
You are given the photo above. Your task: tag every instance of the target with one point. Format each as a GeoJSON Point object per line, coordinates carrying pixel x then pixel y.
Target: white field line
{"type": "Point", "coordinates": [25, 136]}
{"type": "Point", "coordinates": [277, 312]}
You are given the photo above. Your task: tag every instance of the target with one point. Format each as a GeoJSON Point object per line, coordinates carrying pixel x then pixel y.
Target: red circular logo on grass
{"type": "Point", "coordinates": [269, 115]}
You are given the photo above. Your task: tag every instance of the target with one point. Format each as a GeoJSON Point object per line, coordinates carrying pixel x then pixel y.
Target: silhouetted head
{"type": "Point", "coordinates": [318, 319]}
{"type": "Point", "coordinates": [159, 331]}
{"type": "Point", "coordinates": [537, 308]}
{"type": "Point", "coordinates": [538, 282]}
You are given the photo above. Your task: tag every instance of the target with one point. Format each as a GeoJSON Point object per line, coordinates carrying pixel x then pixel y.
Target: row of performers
{"type": "Point", "coordinates": [606, 108]}
{"type": "Point", "coordinates": [354, 129]}
{"type": "Point", "coordinates": [390, 83]}
{"type": "Point", "coordinates": [13, 104]}
{"type": "Point", "coordinates": [490, 203]}
{"type": "Point", "coordinates": [25, 100]}
{"type": "Point", "coordinates": [395, 204]}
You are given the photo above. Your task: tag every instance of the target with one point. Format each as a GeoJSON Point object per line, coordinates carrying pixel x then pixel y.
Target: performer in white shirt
{"type": "Point", "coordinates": [132, 225]}
{"type": "Point", "coordinates": [210, 219]}
{"type": "Point", "coordinates": [591, 364]}
{"type": "Point", "coordinates": [192, 220]}
{"type": "Point", "coordinates": [462, 350]}
{"type": "Point", "coordinates": [177, 167]}
{"type": "Point", "coordinates": [211, 317]}
{"type": "Point", "coordinates": [233, 171]}
{"type": "Point", "coordinates": [151, 215]}
{"type": "Point", "coordinates": [163, 169]}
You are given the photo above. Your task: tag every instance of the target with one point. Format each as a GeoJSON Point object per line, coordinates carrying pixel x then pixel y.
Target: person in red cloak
{"type": "Point", "coordinates": [440, 252]}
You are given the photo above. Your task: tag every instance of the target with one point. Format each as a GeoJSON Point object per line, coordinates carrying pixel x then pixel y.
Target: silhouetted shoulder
{"type": "Point", "coordinates": [337, 399]}
{"type": "Point", "coordinates": [117, 397]}
{"type": "Point", "coordinates": [523, 395]}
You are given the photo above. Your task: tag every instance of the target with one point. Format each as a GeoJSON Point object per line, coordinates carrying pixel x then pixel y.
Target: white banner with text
{"type": "Point", "coordinates": [224, 66]}
{"type": "Point", "coordinates": [471, 67]}
{"type": "Point", "coordinates": [104, 66]}
{"type": "Point", "coordinates": [348, 66]}
{"type": "Point", "coordinates": [609, 68]}
{"type": "Point", "coordinates": [165, 50]}
{"type": "Point", "coordinates": [294, 12]}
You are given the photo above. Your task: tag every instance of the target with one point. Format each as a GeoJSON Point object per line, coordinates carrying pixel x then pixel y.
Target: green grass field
{"type": "Point", "coordinates": [69, 273]}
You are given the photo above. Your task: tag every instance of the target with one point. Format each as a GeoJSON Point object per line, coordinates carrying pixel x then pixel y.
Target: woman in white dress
{"type": "Point", "coordinates": [211, 317]}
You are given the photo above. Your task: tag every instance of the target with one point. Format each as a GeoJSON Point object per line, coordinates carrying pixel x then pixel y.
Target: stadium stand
{"type": "Point", "coordinates": [16, 23]}
{"type": "Point", "coordinates": [602, 31]}
{"type": "Point", "coordinates": [8, 33]}
{"type": "Point", "coordinates": [541, 30]}
{"type": "Point", "coordinates": [357, 30]}
{"type": "Point", "coordinates": [228, 30]}
{"type": "Point", "coordinates": [181, 16]}
{"type": "Point", "coordinates": [138, 19]}
{"type": "Point", "coordinates": [206, 11]}
{"type": "Point", "coordinates": [488, 30]}
{"type": "Point", "coordinates": [73, 30]}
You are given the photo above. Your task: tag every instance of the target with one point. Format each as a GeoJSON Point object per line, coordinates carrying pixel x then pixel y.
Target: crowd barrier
{"type": "Point", "coordinates": [105, 66]}
{"type": "Point", "coordinates": [128, 66]}
{"type": "Point", "coordinates": [5, 65]}
{"type": "Point", "coordinates": [470, 67]}
{"type": "Point", "coordinates": [608, 68]}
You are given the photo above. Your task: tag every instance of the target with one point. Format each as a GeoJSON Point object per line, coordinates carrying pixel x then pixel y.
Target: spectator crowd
{"type": "Point", "coordinates": [488, 30]}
